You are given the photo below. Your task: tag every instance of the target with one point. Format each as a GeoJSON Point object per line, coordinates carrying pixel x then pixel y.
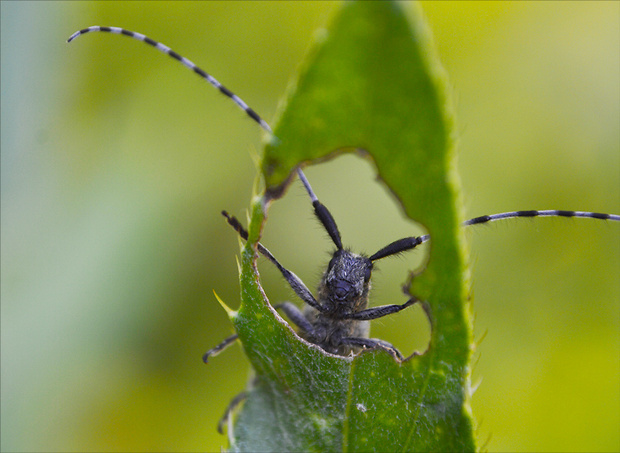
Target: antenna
{"type": "Point", "coordinates": [184, 61]}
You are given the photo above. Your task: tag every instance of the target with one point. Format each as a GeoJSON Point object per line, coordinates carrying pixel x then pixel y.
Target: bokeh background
{"type": "Point", "coordinates": [116, 162]}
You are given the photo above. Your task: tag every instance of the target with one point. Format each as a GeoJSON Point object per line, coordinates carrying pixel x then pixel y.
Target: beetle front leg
{"type": "Point", "coordinates": [379, 312]}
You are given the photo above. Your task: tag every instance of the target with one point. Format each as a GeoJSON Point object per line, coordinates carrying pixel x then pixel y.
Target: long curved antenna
{"type": "Point", "coordinates": [405, 244]}
{"type": "Point", "coordinates": [213, 81]}
{"type": "Point", "coordinates": [546, 213]}
{"type": "Point", "coordinates": [184, 61]}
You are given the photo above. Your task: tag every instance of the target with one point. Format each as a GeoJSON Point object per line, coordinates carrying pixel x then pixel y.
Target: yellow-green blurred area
{"type": "Point", "coordinates": [116, 163]}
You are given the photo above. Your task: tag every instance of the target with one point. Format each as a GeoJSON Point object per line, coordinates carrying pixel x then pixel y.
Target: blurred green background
{"type": "Point", "coordinates": [116, 162]}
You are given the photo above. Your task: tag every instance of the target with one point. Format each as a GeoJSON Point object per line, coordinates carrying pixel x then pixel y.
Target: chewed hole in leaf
{"type": "Point", "coordinates": [369, 218]}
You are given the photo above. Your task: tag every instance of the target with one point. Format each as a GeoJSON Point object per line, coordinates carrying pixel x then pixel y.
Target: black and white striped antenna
{"type": "Point", "coordinates": [184, 61]}
{"type": "Point", "coordinates": [325, 219]}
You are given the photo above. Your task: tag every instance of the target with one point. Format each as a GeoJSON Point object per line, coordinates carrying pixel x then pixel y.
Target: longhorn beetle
{"type": "Point", "coordinates": [337, 320]}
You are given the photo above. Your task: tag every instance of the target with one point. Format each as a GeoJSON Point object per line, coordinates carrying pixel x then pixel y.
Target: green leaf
{"type": "Point", "coordinates": [372, 85]}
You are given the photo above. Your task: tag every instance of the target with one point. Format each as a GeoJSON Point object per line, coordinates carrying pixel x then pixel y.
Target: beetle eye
{"type": "Point", "coordinates": [367, 274]}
